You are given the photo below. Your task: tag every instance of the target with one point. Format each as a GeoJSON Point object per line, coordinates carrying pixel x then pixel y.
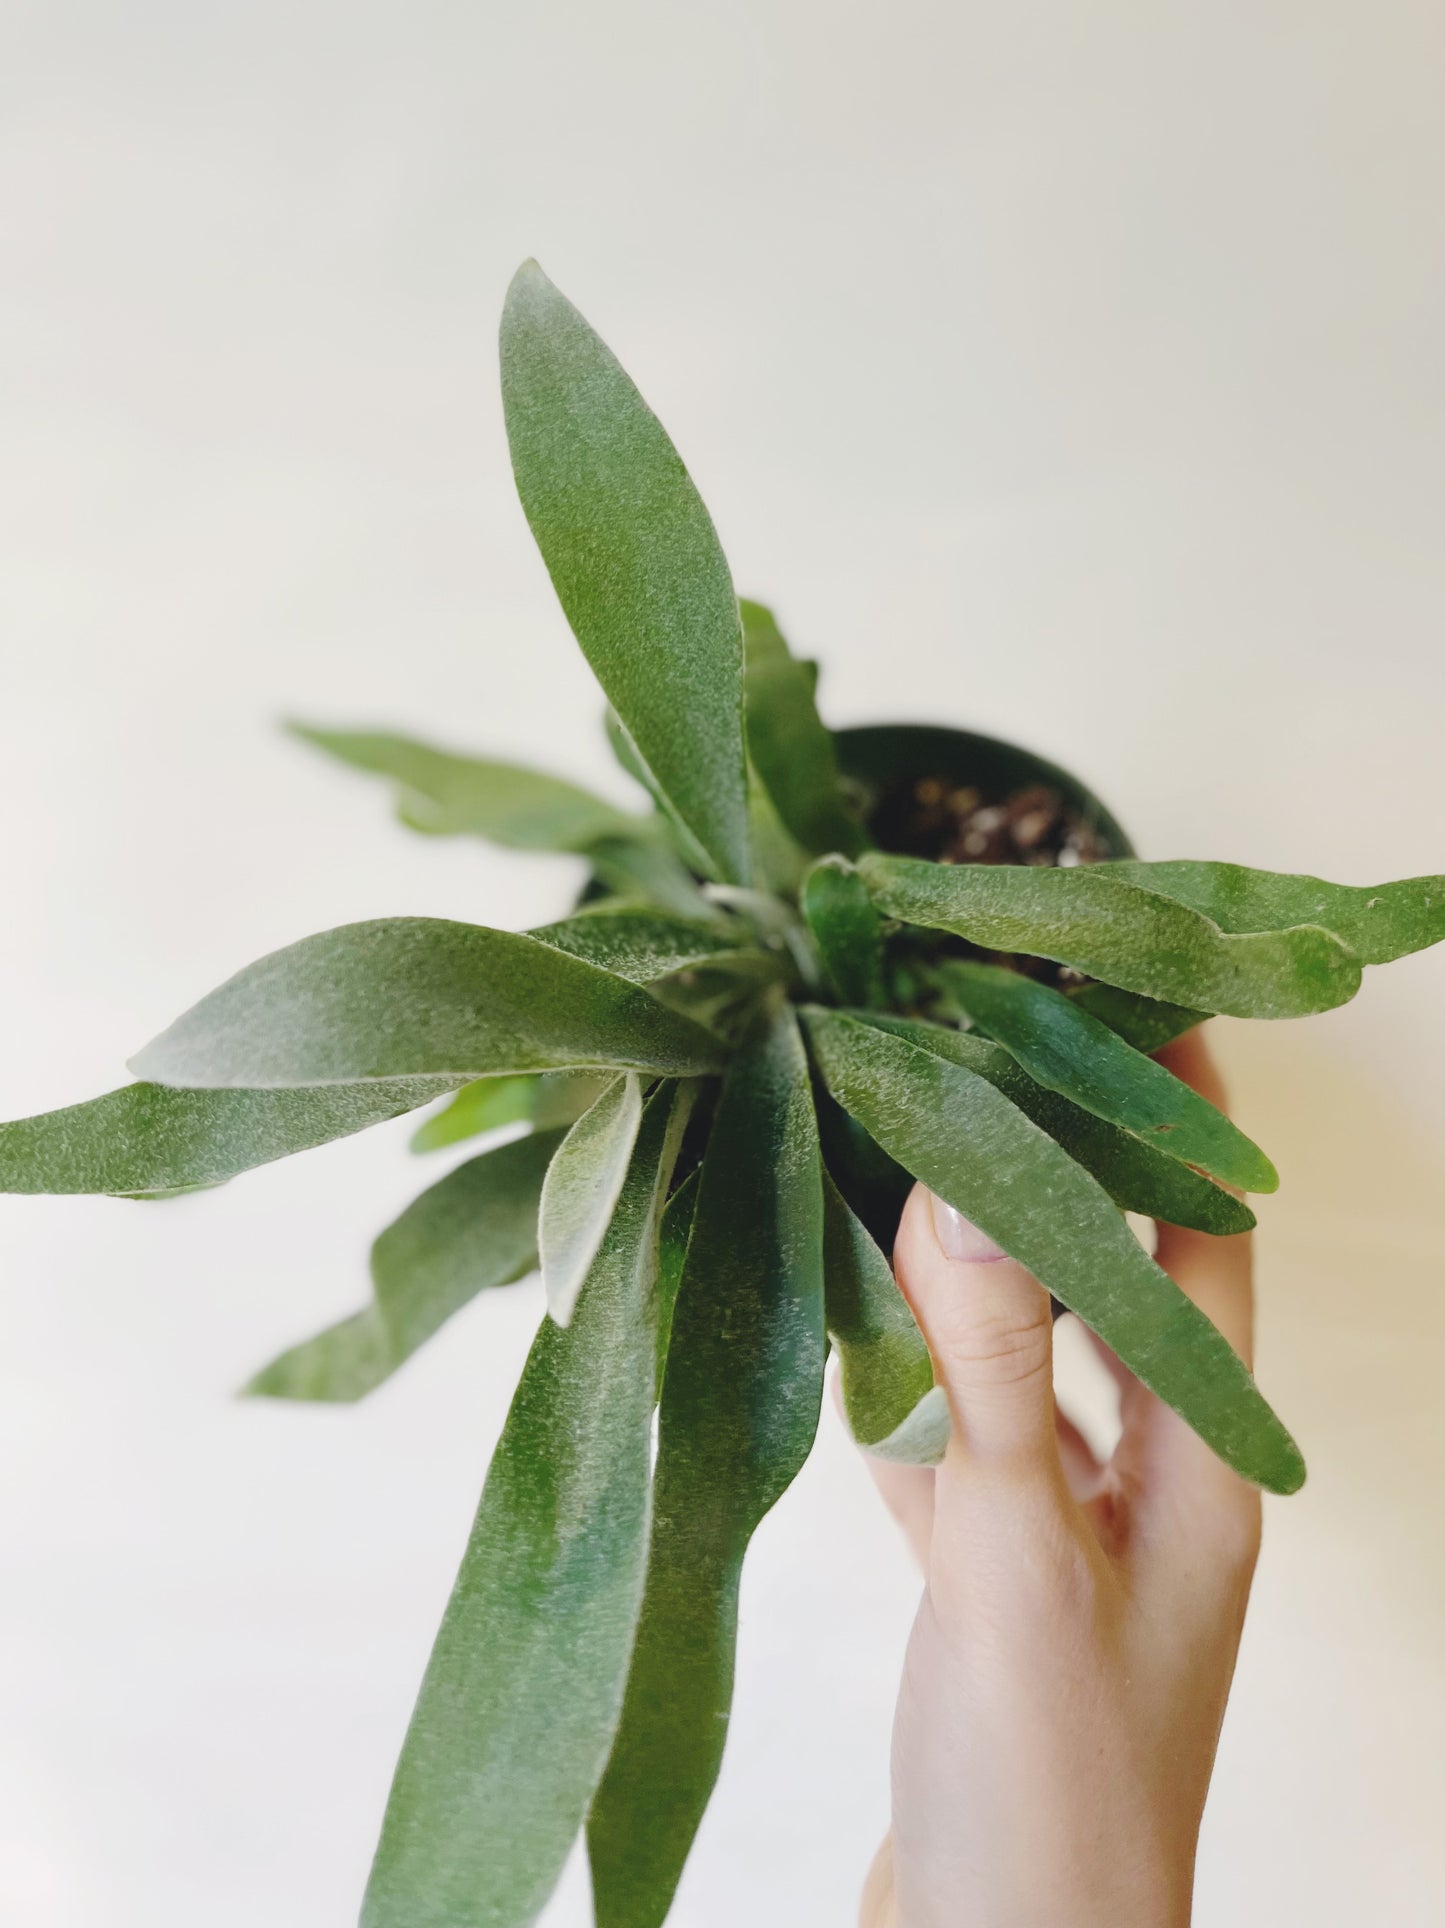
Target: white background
{"type": "Point", "coordinates": [1073, 372]}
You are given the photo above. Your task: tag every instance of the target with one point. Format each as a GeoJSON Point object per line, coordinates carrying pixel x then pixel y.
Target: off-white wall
{"type": "Point", "coordinates": [1070, 371]}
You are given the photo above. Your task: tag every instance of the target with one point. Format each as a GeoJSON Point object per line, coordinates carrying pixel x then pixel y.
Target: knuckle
{"type": "Point", "coordinates": [999, 1344]}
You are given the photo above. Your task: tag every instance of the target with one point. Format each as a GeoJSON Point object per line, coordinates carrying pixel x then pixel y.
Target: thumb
{"type": "Point", "coordinates": [988, 1326]}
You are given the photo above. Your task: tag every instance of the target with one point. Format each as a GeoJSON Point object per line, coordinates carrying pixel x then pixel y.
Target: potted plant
{"type": "Point", "coordinates": [816, 968]}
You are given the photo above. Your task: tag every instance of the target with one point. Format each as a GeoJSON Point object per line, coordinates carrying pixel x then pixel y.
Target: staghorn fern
{"type": "Point", "coordinates": [763, 1021]}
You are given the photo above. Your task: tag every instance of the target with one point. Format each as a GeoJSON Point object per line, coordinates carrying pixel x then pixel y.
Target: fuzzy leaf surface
{"type": "Point", "coordinates": [641, 945]}
{"type": "Point", "coordinates": [634, 558]}
{"type": "Point", "coordinates": [792, 753]}
{"type": "Point", "coordinates": [145, 1139]}
{"type": "Point", "coordinates": [473, 1230]}
{"type": "Point", "coordinates": [1069, 1051]}
{"type": "Point", "coordinates": [580, 1193]}
{"type": "Point", "coordinates": [1378, 923]}
{"type": "Point", "coordinates": [1136, 1176]}
{"type": "Point", "coordinates": [739, 1409]}
{"type": "Point", "coordinates": [424, 998]}
{"type": "Point", "coordinates": [1141, 1021]}
{"type": "Point", "coordinates": [1109, 927]}
{"type": "Point", "coordinates": [846, 928]}
{"type": "Point", "coordinates": [887, 1374]}
{"type": "Point", "coordinates": [968, 1143]}
{"type": "Point", "coordinates": [448, 795]}
{"type": "Point", "coordinates": [522, 1694]}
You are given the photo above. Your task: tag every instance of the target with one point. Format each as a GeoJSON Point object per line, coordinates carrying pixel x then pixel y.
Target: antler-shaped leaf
{"type": "Point", "coordinates": [145, 1139]}
{"type": "Point", "coordinates": [740, 1399]}
{"type": "Point", "coordinates": [1069, 1051]}
{"type": "Point", "coordinates": [966, 1141]}
{"type": "Point", "coordinates": [442, 794]}
{"type": "Point", "coordinates": [1379, 923]}
{"type": "Point", "coordinates": [473, 1230]}
{"type": "Point", "coordinates": [420, 997]}
{"type": "Point", "coordinates": [1136, 1176]}
{"type": "Point", "coordinates": [634, 558]}
{"type": "Point", "coordinates": [1103, 924]}
{"type": "Point", "coordinates": [792, 752]}
{"type": "Point", "coordinates": [447, 795]}
{"type": "Point", "coordinates": [522, 1694]}
{"type": "Point", "coordinates": [894, 1410]}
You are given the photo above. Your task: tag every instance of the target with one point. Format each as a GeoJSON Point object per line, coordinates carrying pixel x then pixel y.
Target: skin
{"type": "Point", "coordinates": [1067, 1673]}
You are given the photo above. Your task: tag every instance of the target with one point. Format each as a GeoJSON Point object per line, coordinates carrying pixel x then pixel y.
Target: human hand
{"type": "Point", "coordinates": [1067, 1673]}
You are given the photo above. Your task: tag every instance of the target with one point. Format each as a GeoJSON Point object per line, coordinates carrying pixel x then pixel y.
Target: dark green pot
{"type": "Point", "coordinates": [878, 754]}
{"type": "Point", "coordinates": [874, 758]}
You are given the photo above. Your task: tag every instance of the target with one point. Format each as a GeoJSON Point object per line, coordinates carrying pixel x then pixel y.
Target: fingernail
{"type": "Point", "coordinates": [958, 1239]}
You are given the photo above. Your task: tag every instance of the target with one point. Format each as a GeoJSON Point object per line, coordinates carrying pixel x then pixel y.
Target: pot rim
{"type": "Point", "coordinates": [875, 752]}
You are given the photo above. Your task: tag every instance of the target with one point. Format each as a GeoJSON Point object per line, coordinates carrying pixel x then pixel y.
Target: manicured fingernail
{"type": "Point", "coordinates": [958, 1239]}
